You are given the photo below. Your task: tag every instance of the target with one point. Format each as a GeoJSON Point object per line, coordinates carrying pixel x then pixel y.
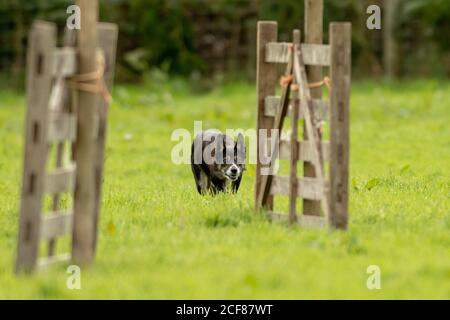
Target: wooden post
{"type": "Point", "coordinates": [293, 183]}
{"type": "Point", "coordinates": [313, 35]}
{"type": "Point", "coordinates": [340, 42]}
{"type": "Point", "coordinates": [85, 146]}
{"type": "Point", "coordinates": [390, 43]}
{"type": "Point", "coordinates": [62, 105]}
{"type": "Point", "coordinates": [314, 138]}
{"type": "Point", "coordinates": [42, 43]}
{"type": "Point", "coordinates": [107, 37]}
{"type": "Point", "coordinates": [282, 108]}
{"type": "Point", "coordinates": [266, 79]}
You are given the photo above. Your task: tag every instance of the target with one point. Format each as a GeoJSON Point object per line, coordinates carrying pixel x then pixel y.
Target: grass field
{"type": "Point", "coordinates": [159, 239]}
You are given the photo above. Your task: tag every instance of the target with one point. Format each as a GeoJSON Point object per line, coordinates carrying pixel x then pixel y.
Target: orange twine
{"type": "Point", "coordinates": [287, 79]}
{"type": "Point", "coordinates": [93, 82]}
{"type": "Point", "coordinates": [326, 81]}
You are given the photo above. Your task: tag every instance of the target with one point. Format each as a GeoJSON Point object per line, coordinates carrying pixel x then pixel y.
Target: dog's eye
{"type": "Point", "coordinates": [228, 160]}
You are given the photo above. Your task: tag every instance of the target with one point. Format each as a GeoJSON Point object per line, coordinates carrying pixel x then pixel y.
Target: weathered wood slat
{"type": "Point", "coordinates": [305, 152]}
{"type": "Point", "coordinates": [321, 108]}
{"type": "Point", "coordinates": [308, 221]}
{"type": "Point", "coordinates": [314, 36]}
{"type": "Point", "coordinates": [308, 188]}
{"type": "Point", "coordinates": [64, 62]}
{"type": "Point", "coordinates": [45, 262]}
{"type": "Point", "coordinates": [311, 127]}
{"type": "Point", "coordinates": [266, 79]}
{"type": "Point", "coordinates": [56, 224]}
{"type": "Point", "coordinates": [293, 181]}
{"type": "Point", "coordinates": [41, 45]}
{"type": "Point", "coordinates": [61, 102]}
{"type": "Point", "coordinates": [62, 127]}
{"type": "Point", "coordinates": [314, 54]}
{"type": "Point", "coordinates": [305, 221]}
{"type": "Point", "coordinates": [85, 147]}
{"type": "Point", "coordinates": [60, 180]}
{"type": "Point", "coordinates": [264, 192]}
{"type": "Point", "coordinates": [340, 39]}
{"type": "Point", "coordinates": [64, 65]}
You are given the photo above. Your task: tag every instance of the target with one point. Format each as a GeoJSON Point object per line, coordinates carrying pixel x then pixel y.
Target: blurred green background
{"type": "Point", "coordinates": [159, 239]}
{"type": "Point", "coordinates": [206, 39]}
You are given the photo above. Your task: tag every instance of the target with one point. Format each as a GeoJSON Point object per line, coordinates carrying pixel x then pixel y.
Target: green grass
{"type": "Point", "coordinates": [160, 239]}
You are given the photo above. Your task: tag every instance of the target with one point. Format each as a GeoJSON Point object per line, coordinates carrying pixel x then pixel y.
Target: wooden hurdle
{"type": "Point", "coordinates": [66, 113]}
{"type": "Point", "coordinates": [299, 102]}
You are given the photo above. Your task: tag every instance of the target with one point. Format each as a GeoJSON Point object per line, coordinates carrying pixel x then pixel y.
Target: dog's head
{"type": "Point", "coordinates": [229, 157]}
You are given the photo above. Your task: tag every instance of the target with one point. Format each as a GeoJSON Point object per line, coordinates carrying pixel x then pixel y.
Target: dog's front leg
{"type": "Point", "coordinates": [204, 183]}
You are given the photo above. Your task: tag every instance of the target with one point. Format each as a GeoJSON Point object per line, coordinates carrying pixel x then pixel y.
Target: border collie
{"type": "Point", "coordinates": [217, 161]}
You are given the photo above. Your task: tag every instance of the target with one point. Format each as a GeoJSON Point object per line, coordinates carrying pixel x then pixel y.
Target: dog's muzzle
{"type": "Point", "coordinates": [233, 173]}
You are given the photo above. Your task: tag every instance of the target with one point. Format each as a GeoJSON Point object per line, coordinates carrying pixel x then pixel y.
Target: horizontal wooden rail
{"type": "Point", "coordinates": [56, 224]}
{"type": "Point", "coordinates": [304, 150]}
{"type": "Point", "coordinates": [45, 262]}
{"type": "Point", "coordinates": [60, 180]}
{"type": "Point", "coordinates": [62, 127]}
{"type": "Point", "coordinates": [64, 62]}
{"type": "Point", "coordinates": [306, 221]}
{"type": "Point", "coordinates": [308, 188]}
{"type": "Point", "coordinates": [321, 108]}
{"type": "Point", "coordinates": [313, 54]}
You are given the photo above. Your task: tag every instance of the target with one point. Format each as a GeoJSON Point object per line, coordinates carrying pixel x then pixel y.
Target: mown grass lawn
{"type": "Point", "coordinates": [160, 239]}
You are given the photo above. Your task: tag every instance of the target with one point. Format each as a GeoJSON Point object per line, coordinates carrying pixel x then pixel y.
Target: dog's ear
{"type": "Point", "coordinates": [219, 148]}
{"type": "Point", "coordinates": [240, 149]}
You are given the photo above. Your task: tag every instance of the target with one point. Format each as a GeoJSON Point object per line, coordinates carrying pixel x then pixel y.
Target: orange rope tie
{"type": "Point", "coordinates": [326, 81]}
{"type": "Point", "coordinates": [82, 82]}
{"type": "Point", "coordinates": [286, 79]}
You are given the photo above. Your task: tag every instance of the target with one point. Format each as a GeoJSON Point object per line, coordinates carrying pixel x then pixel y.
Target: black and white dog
{"type": "Point", "coordinates": [217, 161]}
